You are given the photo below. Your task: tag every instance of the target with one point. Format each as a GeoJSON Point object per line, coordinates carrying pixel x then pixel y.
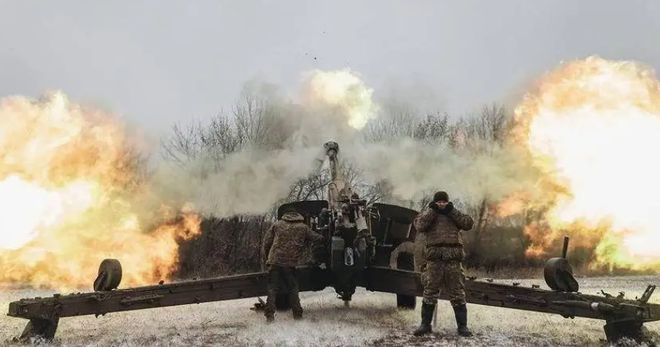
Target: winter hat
{"type": "Point", "coordinates": [440, 196]}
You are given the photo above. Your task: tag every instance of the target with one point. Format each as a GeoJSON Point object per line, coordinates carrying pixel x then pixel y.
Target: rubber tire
{"type": "Point", "coordinates": [558, 275]}
{"type": "Point", "coordinates": [406, 261]}
{"type": "Point", "coordinates": [109, 276]}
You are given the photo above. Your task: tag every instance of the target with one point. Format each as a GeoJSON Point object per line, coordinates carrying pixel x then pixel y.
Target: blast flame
{"type": "Point", "coordinates": [592, 125]}
{"type": "Point", "coordinates": [69, 188]}
{"type": "Point", "coordinates": [513, 204]}
{"type": "Point", "coordinates": [345, 91]}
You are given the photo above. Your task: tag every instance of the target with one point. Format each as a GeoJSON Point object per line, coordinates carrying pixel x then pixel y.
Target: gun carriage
{"type": "Point", "coordinates": [365, 246]}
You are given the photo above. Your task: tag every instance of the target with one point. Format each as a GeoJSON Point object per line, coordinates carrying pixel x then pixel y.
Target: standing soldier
{"type": "Point", "coordinates": [441, 223]}
{"type": "Point", "coordinates": [282, 248]}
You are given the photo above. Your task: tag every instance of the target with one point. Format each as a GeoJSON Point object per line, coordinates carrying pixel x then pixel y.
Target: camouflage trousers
{"type": "Point", "coordinates": [446, 277]}
{"type": "Point", "coordinates": [283, 279]}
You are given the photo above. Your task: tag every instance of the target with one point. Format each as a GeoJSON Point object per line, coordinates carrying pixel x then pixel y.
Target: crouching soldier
{"type": "Point", "coordinates": [283, 248]}
{"type": "Point", "coordinates": [441, 223]}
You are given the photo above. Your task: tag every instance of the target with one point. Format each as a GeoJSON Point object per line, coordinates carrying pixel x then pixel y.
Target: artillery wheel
{"type": "Point", "coordinates": [39, 329]}
{"type": "Point", "coordinates": [558, 275]}
{"type": "Point", "coordinates": [403, 258]}
{"type": "Point", "coordinates": [109, 275]}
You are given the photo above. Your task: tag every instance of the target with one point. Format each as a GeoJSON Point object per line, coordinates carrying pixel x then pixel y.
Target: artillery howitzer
{"type": "Point", "coordinates": [366, 246]}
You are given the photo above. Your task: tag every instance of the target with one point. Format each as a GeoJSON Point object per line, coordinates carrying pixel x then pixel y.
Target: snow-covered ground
{"type": "Point", "coordinates": [372, 319]}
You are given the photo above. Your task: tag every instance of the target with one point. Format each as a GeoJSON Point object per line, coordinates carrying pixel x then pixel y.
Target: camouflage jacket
{"type": "Point", "coordinates": [285, 240]}
{"type": "Point", "coordinates": [442, 231]}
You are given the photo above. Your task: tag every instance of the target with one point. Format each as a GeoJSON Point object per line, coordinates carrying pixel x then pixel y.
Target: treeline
{"type": "Point", "coordinates": [226, 246]}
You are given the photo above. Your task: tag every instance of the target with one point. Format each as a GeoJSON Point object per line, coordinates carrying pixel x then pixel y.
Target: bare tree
{"type": "Point", "coordinates": [397, 120]}
{"type": "Point", "coordinates": [433, 129]}
{"type": "Point", "coordinates": [259, 122]}
{"type": "Point", "coordinates": [311, 187]}
{"type": "Point", "coordinates": [482, 134]}
{"type": "Point", "coordinates": [254, 122]}
{"type": "Point", "coordinates": [488, 127]}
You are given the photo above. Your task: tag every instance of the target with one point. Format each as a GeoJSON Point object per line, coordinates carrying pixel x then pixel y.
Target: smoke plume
{"type": "Point", "coordinates": [337, 105]}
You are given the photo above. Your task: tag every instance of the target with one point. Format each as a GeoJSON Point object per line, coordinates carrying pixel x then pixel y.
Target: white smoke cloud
{"type": "Point", "coordinates": [414, 169]}
{"type": "Point", "coordinates": [336, 105]}
{"type": "Point", "coordinates": [252, 181]}
{"type": "Point", "coordinates": [288, 146]}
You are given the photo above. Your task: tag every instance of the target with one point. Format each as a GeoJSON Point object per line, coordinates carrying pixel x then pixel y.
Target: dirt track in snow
{"type": "Point", "coordinates": [372, 319]}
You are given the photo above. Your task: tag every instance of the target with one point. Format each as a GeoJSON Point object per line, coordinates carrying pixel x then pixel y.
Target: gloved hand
{"type": "Point", "coordinates": [434, 207]}
{"type": "Point", "coordinates": [448, 208]}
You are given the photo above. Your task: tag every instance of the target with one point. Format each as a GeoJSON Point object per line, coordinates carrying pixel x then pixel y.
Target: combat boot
{"type": "Point", "coordinates": [427, 317]}
{"type": "Point", "coordinates": [460, 312]}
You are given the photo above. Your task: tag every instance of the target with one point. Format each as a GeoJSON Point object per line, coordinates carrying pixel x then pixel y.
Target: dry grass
{"type": "Point", "coordinates": [372, 319]}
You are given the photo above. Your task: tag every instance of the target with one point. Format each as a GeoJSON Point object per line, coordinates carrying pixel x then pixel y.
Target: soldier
{"type": "Point", "coordinates": [441, 223]}
{"type": "Point", "coordinates": [283, 248]}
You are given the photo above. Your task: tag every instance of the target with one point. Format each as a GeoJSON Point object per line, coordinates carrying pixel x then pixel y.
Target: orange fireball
{"type": "Point", "coordinates": [69, 197]}
{"type": "Point", "coordinates": [593, 126]}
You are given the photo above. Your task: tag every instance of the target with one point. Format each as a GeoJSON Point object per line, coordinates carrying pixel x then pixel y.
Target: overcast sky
{"type": "Point", "coordinates": [161, 62]}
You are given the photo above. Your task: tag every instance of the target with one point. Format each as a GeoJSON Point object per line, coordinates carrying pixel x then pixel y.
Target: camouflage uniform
{"type": "Point", "coordinates": [282, 248]}
{"type": "Point", "coordinates": [444, 252]}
